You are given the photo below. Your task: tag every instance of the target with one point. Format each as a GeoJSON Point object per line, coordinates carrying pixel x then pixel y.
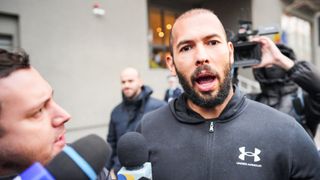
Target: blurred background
{"type": "Point", "coordinates": [80, 46]}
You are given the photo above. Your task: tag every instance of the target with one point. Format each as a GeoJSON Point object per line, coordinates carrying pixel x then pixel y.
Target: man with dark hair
{"type": "Point", "coordinates": [212, 131]}
{"type": "Point", "coordinates": [31, 122]}
{"type": "Point", "coordinates": [290, 86]}
{"type": "Point", "coordinates": [136, 102]}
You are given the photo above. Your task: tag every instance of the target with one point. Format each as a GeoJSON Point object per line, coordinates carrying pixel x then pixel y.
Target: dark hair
{"type": "Point", "coordinates": [275, 74]}
{"type": "Point", "coordinates": [12, 61]}
{"type": "Point", "coordinates": [287, 51]}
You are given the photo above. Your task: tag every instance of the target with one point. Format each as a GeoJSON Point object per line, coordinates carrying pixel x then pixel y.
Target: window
{"type": "Point", "coordinates": [9, 31]}
{"type": "Point", "coordinates": [6, 42]}
{"type": "Point", "coordinates": [160, 24]}
{"type": "Point", "coordinates": [297, 35]}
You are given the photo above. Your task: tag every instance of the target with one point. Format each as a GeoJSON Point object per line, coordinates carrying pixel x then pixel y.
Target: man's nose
{"type": "Point", "coordinates": [202, 56]}
{"type": "Point", "coordinates": [202, 62]}
{"type": "Point", "coordinates": [125, 86]}
{"type": "Point", "coordinates": [60, 116]}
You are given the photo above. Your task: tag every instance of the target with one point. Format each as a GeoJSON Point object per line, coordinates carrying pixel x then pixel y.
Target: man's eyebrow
{"type": "Point", "coordinates": [212, 36]}
{"type": "Point", "coordinates": [183, 42]}
{"type": "Point", "coordinates": [37, 106]}
{"type": "Point", "coordinates": [206, 37]}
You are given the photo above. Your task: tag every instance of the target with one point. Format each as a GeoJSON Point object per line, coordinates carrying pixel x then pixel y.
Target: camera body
{"type": "Point", "coordinates": [246, 53]}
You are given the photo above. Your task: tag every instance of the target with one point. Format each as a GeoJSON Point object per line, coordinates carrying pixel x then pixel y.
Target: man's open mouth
{"type": "Point", "coordinates": [205, 81]}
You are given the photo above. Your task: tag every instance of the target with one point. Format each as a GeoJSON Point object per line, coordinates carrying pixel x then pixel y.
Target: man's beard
{"type": "Point", "coordinates": [15, 159]}
{"type": "Point", "coordinates": [131, 97]}
{"type": "Point", "coordinates": [206, 100]}
{"type": "Point", "coordinates": [14, 162]}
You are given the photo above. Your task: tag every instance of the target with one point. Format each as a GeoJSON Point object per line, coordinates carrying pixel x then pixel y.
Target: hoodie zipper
{"type": "Point", "coordinates": [211, 127]}
{"type": "Point", "coordinates": [210, 149]}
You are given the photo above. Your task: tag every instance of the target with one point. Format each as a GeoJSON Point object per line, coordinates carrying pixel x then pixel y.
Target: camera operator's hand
{"type": "Point", "coordinates": [271, 55]}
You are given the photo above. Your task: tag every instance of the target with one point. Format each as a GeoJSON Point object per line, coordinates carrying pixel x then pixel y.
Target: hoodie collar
{"type": "Point", "coordinates": [185, 114]}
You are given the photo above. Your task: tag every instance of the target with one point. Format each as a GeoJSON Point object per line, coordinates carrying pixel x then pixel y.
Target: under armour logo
{"type": "Point", "coordinates": [245, 153]}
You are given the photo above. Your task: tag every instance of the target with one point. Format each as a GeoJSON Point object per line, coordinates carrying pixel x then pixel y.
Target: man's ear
{"type": "Point", "coordinates": [141, 82]}
{"type": "Point", "coordinates": [170, 65]}
{"type": "Point", "coordinates": [231, 52]}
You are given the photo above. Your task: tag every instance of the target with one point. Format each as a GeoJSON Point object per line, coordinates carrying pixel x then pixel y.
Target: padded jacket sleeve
{"type": "Point", "coordinates": [306, 76]}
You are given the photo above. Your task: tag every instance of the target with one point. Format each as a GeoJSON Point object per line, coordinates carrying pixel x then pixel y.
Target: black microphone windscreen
{"type": "Point", "coordinates": [132, 150]}
{"type": "Point", "coordinates": [92, 148]}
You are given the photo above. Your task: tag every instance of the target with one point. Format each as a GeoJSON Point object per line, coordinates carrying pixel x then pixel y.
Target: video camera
{"type": "Point", "coordinates": [248, 53]}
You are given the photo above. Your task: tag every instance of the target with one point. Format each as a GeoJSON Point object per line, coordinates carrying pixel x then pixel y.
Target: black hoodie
{"type": "Point", "coordinates": [248, 140]}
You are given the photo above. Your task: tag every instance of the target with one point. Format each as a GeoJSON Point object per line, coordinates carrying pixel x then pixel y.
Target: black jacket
{"type": "Point", "coordinates": [248, 141]}
{"type": "Point", "coordinates": [124, 118]}
{"type": "Point", "coordinates": [284, 95]}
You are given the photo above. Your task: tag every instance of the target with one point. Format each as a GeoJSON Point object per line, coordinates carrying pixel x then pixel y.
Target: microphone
{"type": "Point", "coordinates": [133, 154]}
{"type": "Point", "coordinates": [83, 159]}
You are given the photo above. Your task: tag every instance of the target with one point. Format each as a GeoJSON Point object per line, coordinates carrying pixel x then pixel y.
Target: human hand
{"type": "Point", "coordinates": [271, 55]}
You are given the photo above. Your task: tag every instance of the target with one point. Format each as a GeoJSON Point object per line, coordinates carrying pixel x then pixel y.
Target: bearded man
{"type": "Point", "coordinates": [212, 131]}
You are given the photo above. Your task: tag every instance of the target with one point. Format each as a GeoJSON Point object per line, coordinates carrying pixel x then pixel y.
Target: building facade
{"type": "Point", "coordinates": [80, 46]}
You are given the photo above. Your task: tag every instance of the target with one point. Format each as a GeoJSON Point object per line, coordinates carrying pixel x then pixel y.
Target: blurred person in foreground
{"type": "Point", "coordinates": [136, 101]}
{"type": "Point", "coordinates": [31, 122]}
{"type": "Point", "coordinates": [212, 131]}
{"type": "Point", "coordinates": [290, 86]}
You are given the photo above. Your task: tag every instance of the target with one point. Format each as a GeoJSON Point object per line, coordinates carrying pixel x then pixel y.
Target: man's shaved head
{"type": "Point", "coordinates": [192, 12]}
{"type": "Point", "coordinates": [131, 71]}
